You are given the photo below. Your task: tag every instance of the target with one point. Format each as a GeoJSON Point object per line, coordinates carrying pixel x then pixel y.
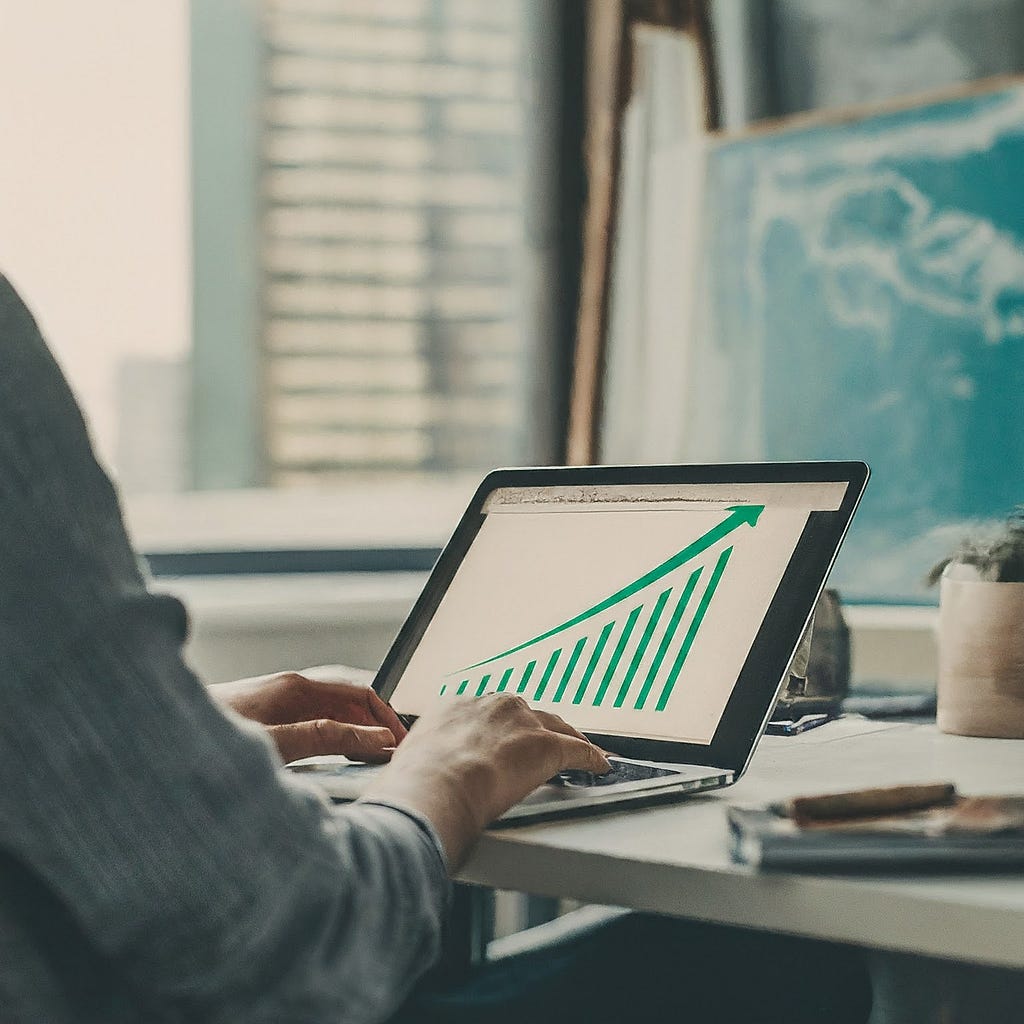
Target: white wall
{"type": "Point", "coordinates": [250, 625]}
{"type": "Point", "coordinates": [94, 181]}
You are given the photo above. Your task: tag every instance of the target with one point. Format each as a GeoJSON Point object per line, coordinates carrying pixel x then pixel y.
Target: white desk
{"type": "Point", "coordinates": [675, 859]}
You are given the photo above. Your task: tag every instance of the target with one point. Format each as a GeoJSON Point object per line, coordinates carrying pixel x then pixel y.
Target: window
{"type": "Point", "coordinates": [319, 291]}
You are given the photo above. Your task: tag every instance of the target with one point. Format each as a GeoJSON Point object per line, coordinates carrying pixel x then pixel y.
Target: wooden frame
{"type": "Point", "coordinates": [610, 84]}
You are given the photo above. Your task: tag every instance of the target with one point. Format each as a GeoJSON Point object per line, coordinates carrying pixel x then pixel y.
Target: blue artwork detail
{"type": "Point", "coordinates": [864, 298]}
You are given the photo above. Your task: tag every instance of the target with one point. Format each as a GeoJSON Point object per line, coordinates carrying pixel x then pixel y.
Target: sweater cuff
{"type": "Point", "coordinates": [419, 819]}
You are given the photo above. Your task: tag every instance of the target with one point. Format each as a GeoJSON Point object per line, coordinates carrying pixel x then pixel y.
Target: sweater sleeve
{"type": "Point", "coordinates": [219, 890]}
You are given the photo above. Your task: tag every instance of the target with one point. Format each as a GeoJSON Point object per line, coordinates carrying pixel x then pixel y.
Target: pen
{"type": "Point", "coordinates": [798, 726]}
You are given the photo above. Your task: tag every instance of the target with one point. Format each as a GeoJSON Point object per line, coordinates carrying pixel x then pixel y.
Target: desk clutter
{"type": "Point", "coordinates": [918, 707]}
{"type": "Point", "coordinates": [884, 830]}
{"type": "Point", "coordinates": [819, 676]}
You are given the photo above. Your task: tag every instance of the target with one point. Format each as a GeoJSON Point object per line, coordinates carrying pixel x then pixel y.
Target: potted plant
{"type": "Point", "coordinates": [981, 633]}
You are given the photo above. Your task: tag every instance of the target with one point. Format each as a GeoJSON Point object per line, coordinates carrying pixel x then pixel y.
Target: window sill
{"type": "Point", "coordinates": [365, 516]}
{"type": "Point", "coordinates": [893, 646]}
{"type": "Point", "coordinates": [311, 600]}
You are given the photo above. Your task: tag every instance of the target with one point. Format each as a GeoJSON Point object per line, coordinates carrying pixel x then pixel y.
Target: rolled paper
{"type": "Point", "coordinates": [862, 803]}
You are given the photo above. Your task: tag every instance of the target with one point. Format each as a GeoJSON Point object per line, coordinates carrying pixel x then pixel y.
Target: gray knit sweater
{"type": "Point", "coordinates": [154, 865]}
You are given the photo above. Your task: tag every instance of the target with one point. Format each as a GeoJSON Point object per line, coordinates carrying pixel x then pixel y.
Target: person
{"type": "Point", "coordinates": [156, 864]}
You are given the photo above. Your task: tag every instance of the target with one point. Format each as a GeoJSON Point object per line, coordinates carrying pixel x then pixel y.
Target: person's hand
{"type": "Point", "coordinates": [468, 760]}
{"type": "Point", "coordinates": [329, 710]}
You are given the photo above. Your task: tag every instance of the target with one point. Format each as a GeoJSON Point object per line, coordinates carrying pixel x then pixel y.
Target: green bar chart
{"type": "Point", "coordinates": [627, 651]}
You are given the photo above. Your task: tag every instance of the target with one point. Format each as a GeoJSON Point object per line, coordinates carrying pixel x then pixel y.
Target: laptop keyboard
{"type": "Point", "coordinates": [622, 771]}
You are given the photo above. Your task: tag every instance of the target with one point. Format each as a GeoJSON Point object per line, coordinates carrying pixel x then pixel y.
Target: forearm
{"type": "Point", "coordinates": [468, 761]}
{"type": "Point", "coordinates": [347, 953]}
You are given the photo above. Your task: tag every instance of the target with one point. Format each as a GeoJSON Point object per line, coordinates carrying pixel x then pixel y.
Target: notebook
{"type": "Point", "coordinates": [654, 608]}
{"type": "Point", "coordinates": [969, 833]}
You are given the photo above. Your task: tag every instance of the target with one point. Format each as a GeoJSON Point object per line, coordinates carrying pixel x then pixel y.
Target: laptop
{"type": "Point", "coordinates": [655, 608]}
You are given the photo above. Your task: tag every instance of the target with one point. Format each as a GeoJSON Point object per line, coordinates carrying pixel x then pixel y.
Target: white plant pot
{"type": "Point", "coordinates": [981, 658]}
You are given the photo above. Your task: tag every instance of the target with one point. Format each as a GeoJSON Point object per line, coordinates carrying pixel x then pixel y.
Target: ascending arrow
{"type": "Point", "coordinates": [741, 514]}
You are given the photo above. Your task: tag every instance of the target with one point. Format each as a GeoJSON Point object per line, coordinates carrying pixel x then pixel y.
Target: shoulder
{"type": "Point", "coordinates": [13, 311]}
{"type": "Point", "coordinates": [35, 393]}
{"type": "Point", "coordinates": [44, 441]}
{"type": "Point", "coordinates": [22, 349]}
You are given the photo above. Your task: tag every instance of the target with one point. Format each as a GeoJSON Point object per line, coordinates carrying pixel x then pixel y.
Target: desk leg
{"type": "Point", "coordinates": [470, 929]}
{"type": "Point", "coordinates": [540, 910]}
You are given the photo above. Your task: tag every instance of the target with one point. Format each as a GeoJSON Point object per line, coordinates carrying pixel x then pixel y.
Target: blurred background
{"type": "Point", "coordinates": [292, 245]}
{"type": "Point", "coordinates": [314, 266]}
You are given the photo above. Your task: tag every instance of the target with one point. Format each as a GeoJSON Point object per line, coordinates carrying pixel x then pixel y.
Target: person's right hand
{"type": "Point", "coordinates": [468, 760]}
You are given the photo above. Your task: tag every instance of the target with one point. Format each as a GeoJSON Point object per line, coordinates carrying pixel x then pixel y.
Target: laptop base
{"type": "Point", "coordinates": [568, 796]}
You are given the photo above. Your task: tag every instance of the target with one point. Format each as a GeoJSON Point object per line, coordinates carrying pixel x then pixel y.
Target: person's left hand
{"type": "Point", "coordinates": [327, 710]}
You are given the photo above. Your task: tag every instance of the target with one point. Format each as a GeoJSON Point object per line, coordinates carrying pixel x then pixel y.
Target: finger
{"type": "Point", "coordinates": [324, 736]}
{"type": "Point", "coordinates": [353, 704]}
{"type": "Point", "coordinates": [339, 674]}
{"type": "Point", "coordinates": [359, 742]}
{"type": "Point", "coordinates": [358, 705]}
{"type": "Point", "coordinates": [559, 725]}
{"type": "Point", "coordinates": [385, 715]}
{"type": "Point", "coordinates": [581, 755]}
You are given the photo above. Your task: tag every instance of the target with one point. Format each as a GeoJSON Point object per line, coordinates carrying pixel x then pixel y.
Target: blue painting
{"type": "Point", "coordinates": [863, 297]}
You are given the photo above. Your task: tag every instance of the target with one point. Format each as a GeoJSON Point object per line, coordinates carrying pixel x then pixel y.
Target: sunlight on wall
{"type": "Point", "coordinates": [94, 183]}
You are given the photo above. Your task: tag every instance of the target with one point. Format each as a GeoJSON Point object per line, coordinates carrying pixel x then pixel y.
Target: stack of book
{"type": "Point", "coordinates": [890, 830]}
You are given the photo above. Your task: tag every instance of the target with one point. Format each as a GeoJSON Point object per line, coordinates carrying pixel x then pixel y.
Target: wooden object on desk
{"type": "Point", "coordinates": [859, 803]}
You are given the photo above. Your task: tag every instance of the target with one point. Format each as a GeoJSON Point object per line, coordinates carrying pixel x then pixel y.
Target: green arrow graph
{"type": "Point", "coordinates": [585, 651]}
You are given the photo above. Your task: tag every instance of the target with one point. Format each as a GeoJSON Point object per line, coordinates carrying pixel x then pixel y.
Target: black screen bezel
{"type": "Point", "coordinates": [761, 677]}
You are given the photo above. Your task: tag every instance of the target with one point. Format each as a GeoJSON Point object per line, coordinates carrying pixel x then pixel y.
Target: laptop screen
{"type": "Point", "coordinates": [628, 610]}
